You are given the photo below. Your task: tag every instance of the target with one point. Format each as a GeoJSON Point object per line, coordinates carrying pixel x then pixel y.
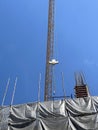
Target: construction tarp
{"type": "Point", "coordinates": [66, 114]}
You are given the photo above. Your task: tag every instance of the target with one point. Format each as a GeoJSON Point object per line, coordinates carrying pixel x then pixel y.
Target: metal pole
{"type": "Point", "coordinates": [39, 86]}
{"type": "Point", "coordinates": [5, 93]}
{"type": "Point", "coordinates": [14, 91]}
{"type": "Point", "coordinates": [63, 83]}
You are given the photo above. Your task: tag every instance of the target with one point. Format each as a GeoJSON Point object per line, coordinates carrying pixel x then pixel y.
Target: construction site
{"type": "Point", "coordinates": [63, 112]}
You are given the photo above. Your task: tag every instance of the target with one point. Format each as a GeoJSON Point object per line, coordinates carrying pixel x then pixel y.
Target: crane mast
{"type": "Point", "coordinates": [49, 53]}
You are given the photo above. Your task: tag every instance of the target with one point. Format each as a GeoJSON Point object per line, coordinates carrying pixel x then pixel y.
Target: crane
{"type": "Point", "coordinates": [50, 61]}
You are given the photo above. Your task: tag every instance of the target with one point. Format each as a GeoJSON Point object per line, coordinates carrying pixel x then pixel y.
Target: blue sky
{"type": "Point", "coordinates": [23, 38]}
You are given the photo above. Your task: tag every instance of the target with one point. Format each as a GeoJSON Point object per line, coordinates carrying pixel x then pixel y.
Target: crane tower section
{"type": "Point", "coordinates": [50, 61]}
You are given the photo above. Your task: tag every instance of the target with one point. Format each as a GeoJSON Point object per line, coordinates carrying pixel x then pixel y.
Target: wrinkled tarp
{"type": "Point", "coordinates": [67, 114]}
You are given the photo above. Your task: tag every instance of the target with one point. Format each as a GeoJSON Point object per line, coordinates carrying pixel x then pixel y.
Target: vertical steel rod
{"type": "Point", "coordinates": [63, 84]}
{"type": "Point", "coordinates": [39, 87]}
{"type": "Point", "coordinates": [5, 93]}
{"type": "Point", "coordinates": [14, 91]}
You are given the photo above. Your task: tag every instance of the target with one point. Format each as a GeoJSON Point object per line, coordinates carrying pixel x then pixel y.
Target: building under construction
{"type": "Point", "coordinates": [77, 113]}
{"type": "Point", "coordinates": [67, 114]}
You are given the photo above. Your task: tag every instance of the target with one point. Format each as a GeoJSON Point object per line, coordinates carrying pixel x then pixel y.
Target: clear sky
{"type": "Point", "coordinates": [23, 38]}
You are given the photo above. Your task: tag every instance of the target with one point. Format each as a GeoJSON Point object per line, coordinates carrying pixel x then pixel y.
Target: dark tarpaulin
{"type": "Point", "coordinates": [68, 114]}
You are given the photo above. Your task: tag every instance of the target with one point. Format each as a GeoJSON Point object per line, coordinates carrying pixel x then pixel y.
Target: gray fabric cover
{"type": "Point", "coordinates": [68, 114]}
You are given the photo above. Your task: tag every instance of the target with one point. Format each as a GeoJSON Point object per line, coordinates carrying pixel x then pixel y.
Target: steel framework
{"type": "Point", "coordinates": [81, 89]}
